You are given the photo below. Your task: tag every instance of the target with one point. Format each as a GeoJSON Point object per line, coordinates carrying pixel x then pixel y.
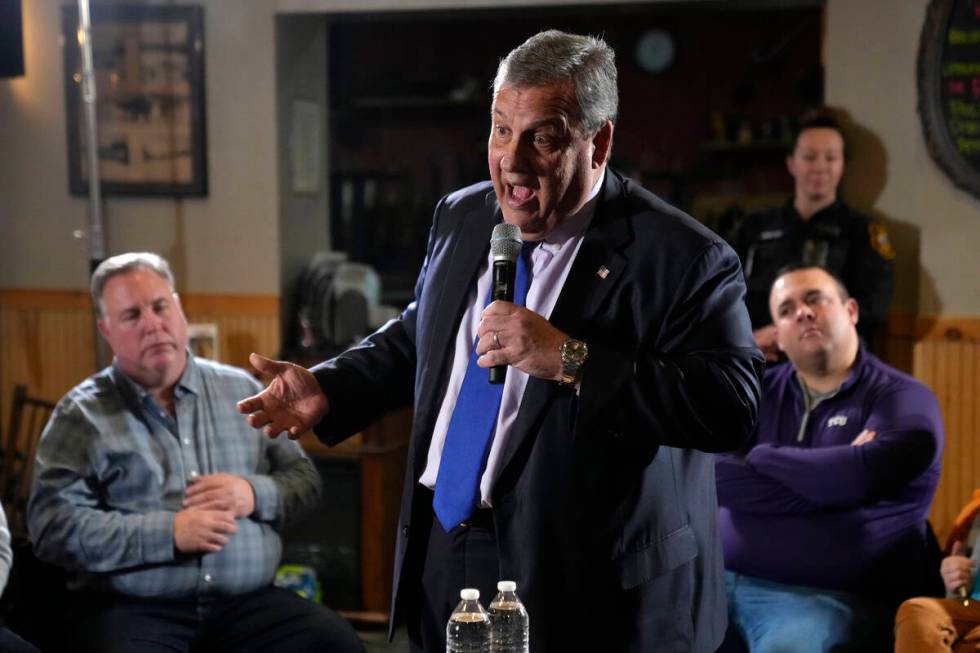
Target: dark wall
{"type": "Point", "coordinates": [410, 98]}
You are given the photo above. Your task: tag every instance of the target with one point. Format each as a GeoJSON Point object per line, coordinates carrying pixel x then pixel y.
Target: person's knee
{"type": "Point", "coordinates": [816, 631]}
{"type": "Point", "coordinates": [917, 608]}
{"type": "Point", "coordinates": [331, 632]}
{"type": "Point", "coordinates": [803, 636]}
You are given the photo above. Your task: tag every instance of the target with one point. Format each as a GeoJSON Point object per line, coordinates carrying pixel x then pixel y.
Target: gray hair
{"type": "Point", "coordinates": [123, 263]}
{"type": "Point", "coordinates": [553, 57]}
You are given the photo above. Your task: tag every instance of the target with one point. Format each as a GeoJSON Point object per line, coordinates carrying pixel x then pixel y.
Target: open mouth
{"type": "Point", "coordinates": [520, 197]}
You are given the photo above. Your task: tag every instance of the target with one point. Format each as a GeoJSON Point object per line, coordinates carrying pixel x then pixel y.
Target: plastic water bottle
{"type": "Point", "coordinates": [508, 620]}
{"type": "Point", "coordinates": [468, 630]}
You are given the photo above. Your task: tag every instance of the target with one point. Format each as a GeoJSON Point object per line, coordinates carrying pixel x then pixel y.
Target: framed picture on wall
{"type": "Point", "coordinates": [202, 338]}
{"type": "Point", "coordinates": [149, 77]}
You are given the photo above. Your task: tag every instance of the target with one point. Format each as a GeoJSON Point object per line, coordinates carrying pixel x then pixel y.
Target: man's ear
{"type": "Point", "coordinates": [602, 145]}
{"type": "Point", "coordinates": [103, 329]}
{"type": "Point", "coordinates": [852, 309]}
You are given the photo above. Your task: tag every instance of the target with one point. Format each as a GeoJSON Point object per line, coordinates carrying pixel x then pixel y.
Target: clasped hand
{"type": "Point", "coordinates": [221, 492]}
{"type": "Point", "coordinates": [957, 570]}
{"type": "Point", "coordinates": [513, 335]}
{"type": "Point", "coordinates": [211, 505]}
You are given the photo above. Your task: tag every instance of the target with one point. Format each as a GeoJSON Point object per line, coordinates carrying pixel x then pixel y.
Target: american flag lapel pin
{"type": "Point", "coordinates": [603, 272]}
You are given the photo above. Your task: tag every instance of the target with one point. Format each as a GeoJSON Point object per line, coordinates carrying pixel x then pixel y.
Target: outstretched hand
{"type": "Point", "coordinates": [293, 401]}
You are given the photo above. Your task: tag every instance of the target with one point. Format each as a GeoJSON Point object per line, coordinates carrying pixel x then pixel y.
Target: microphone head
{"type": "Point", "coordinates": [505, 242]}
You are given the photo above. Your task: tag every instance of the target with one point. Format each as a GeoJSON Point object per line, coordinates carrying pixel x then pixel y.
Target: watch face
{"type": "Point", "coordinates": [574, 351]}
{"type": "Point", "coordinates": [655, 51]}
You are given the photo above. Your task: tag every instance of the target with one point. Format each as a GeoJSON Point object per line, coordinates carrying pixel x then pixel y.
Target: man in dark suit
{"type": "Point", "coordinates": [631, 356]}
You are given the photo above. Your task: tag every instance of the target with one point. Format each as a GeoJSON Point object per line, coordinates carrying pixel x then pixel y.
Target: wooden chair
{"type": "Point", "coordinates": [35, 596]}
{"type": "Point", "coordinates": [28, 416]}
{"type": "Point", "coordinates": [963, 522]}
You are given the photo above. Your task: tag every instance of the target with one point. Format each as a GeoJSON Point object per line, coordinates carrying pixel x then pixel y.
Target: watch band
{"type": "Point", "coordinates": [573, 356]}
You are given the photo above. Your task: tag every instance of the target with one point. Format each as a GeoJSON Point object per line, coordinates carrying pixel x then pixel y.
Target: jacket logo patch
{"type": "Point", "coordinates": [837, 420]}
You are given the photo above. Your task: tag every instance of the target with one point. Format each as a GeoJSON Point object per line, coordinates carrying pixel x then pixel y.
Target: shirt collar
{"type": "Point", "coordinates": [852, 377]}
{"type": "Point", "coordinates": [575, 224]}
{"type": "Point", "coordinates": [189, 381]}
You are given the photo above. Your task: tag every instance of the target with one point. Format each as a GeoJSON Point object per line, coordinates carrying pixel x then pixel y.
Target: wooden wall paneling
{"type": "Point", "coordinates": [47, 337]}
{"type": "Point", "coordinates": [951, 368]}
{"type": "Point", "coordinates": [48, 349]}
{"type": "Point", "coordinates": [245, 324]}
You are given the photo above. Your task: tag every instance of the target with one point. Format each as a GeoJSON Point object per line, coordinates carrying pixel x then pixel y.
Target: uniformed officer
{"type": "Point", "coordinates": [816, 229]}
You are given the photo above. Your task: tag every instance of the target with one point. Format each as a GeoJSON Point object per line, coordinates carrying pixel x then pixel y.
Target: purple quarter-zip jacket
{"type": "Point", "coordinates": [805, 507]}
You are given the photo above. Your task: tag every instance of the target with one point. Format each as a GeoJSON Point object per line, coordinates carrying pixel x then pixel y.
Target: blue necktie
{"type": "Point", "coordinates": [471, 428]}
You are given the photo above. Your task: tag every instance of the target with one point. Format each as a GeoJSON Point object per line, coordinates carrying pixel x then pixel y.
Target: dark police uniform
{"type": "Point", "coordinates": [845, 242]}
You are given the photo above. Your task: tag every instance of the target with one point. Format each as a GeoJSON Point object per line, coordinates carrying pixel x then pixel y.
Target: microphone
{"type": "Point", "coordinates": [505, 245]}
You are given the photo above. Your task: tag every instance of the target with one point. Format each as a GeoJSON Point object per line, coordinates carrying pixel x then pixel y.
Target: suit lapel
{"type": "Point", "coordinates": [597, 269]}
{"type": "Point", "coordinates": [466, 253]}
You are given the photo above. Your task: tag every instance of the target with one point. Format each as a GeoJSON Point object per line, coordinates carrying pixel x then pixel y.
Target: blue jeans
{"type": "Point", "coordinates": [777, 618]}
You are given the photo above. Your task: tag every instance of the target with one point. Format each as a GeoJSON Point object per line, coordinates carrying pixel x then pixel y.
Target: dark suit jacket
{"type": "Point", "coordinates": [605, 503]}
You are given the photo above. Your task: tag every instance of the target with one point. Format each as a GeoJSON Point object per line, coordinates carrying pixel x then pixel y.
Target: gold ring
{"type": "Point", "coordinates": [496, 341]}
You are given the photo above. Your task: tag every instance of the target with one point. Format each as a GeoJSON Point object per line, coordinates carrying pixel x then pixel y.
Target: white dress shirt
{"type": "Point", "coordinates": [551, 261]}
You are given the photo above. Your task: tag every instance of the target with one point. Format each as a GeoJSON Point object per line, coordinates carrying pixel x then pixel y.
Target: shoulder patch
{"type": "Point", "coordinates": [880, 242]}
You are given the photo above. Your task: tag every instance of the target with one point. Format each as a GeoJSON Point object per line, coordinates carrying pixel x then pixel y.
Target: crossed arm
{"type": "Point", "coordinates": [899, 441]}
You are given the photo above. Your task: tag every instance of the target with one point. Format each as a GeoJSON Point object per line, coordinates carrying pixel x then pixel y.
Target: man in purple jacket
{"type": "Point", "coordinates": [823, 519]}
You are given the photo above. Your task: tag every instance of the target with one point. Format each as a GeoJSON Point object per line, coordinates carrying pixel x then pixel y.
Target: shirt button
{"type": "Point", "coordinates": [187, 440]}
{"type": "Point", "coordinates": [193, 473]}
{"type": "Point", "coordinates": [207, 578]}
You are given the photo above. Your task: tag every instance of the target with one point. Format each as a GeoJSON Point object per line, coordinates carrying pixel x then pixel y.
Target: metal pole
{"type": "Point", "coordinates": [96, 236]}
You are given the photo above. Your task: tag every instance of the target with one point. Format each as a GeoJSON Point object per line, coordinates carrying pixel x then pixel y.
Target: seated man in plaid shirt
{"type": "Point", "coordinates": [163, 505]}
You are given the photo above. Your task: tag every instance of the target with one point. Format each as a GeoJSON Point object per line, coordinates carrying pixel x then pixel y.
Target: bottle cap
{"type": "Point", "coordinates": [506, 586]}
{"type": "Point", "coordinates": [469, 594]}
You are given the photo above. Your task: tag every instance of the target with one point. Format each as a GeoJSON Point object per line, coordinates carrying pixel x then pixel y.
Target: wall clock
{"type": "Point", "coordinates": [655, 51]}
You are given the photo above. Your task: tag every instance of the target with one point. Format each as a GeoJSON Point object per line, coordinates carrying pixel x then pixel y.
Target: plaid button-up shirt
{"type": "Point", "coordinates": [110, 477]}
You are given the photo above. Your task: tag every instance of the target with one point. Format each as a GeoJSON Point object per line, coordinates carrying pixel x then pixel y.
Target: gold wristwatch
{"type": "Point", "coordinates": [573, 355]}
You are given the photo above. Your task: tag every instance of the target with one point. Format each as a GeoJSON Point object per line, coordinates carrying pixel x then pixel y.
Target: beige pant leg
{"type": "Point", "coordinates": [926, 625]}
